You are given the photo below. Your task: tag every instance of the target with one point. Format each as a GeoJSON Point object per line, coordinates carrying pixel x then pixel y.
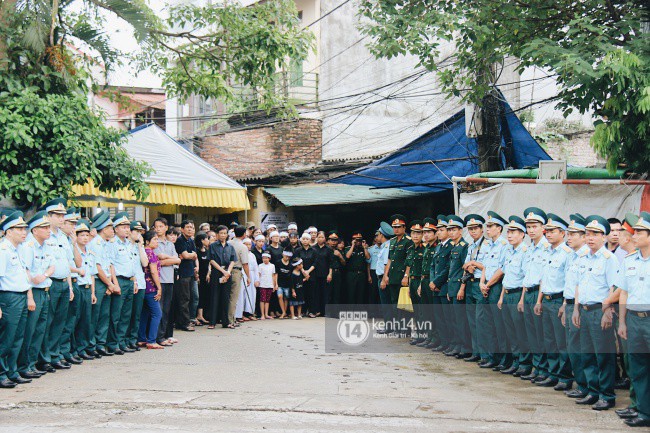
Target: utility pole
{"type": "Point", "coordinates": [489, 134]}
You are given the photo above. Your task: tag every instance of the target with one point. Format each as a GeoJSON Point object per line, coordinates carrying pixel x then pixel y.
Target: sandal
{"type": "Point", "coordinates": [142, 344]}
{"type": "Point", "coordinates": [198, 323]}
{"type": "Point", "coordinates": [164, 343]}
{"type": "Point", "coordinates": [154, 346]}
{"type": "Point", "coordinates": [230, 326]}
{"type": "Point", "coordinates": [210, 326]}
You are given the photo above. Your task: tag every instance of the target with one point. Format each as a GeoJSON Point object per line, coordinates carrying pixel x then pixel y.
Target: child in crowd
{"type": "Point", "coordinates": [284, 281]}
{"type": "Point", "coordinates": [297, 296]}
{"type": "Point", "coordinates": [268, 284]}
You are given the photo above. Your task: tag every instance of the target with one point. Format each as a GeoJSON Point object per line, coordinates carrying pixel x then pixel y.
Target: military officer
{"type": "Point", "coordinates": [599, 275]}
{"type": "Point", "coordinates": [513, 267]}
{"type": "Point", "coordinates": [426, 293]}
{"type": "Point", "coordinates": [121, 300]}
{"type": "Point", "coordinates": [61, 292]}
{"type": "Point", "coordinates": [3, 215]}
{"type": "Point", "coordinates": [473, 268]}
{"type": "Point", "coordinates": [384, 233]}
{"type": "Point", "coordinates": [337, 268]}
{"type": "Point", "coordinates": [534, 261]}
{"type": "Point", "coordinates": [634, 311]}
{"type": "Point", "coordinates": [39, 262]}
{"type": "Point", "coordinates": [461, 345]}
{"type": "Point", "coordinates": [489, 321]}
{"type": "Point", "coordinates": [14, 302]}
{"type": "Point", "coordinates": [140, 261]}
{"type": "Point", "coordinates": [549, 302]}
{"type": "Point", "coordinates": [86, 284]}
{"type": "Point", "coordinates": [439, 276]}
{"type": "Point", "coordinates": [413, 277]}
{"type": "Point", "coordinates": [575, 240]}
{"type": "Point", "coordinates": [356, 256]}
{"type": "Point", "coordinates": [396, 261]}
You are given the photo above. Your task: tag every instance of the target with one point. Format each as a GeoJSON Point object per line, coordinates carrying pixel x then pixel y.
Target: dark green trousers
{"type": "Point", "coordinates": [34, 331]}
{"type": "Point", "coordinates": [535, 333]}
{"type": "Point", "coordinates": [574, 351]}
{"type": "Point", "coordinates": [626, 362]}
{"type": "Point", "coordinates": [82, 332]}
{"type": "Point", "coordinates": [473, 297]}
{"type": "Point", "coordinates": [514, 327]}
{"type": "Point", "coordinates": [56, 319]}
{"type": "Point", "coordinates": [335, 287]}
{"type": "Point", "coordinates": [559, 365]}
{"type": "Point", "coordinates": [416, 300]}
{"type": "Point", "coordinates": [638, 351]}
{"type": "Point", "coordinates": [427, 311]}
{"type": "Point", "coordinates": [120, 315]}
{"type": "Point", "coordinates": [132, 333]}
{"type": "Point", "coordinates": [462, 341]}
{"type": "Point", "coordinates": [442, 317]}
{"type": "Point", "coordinates": [355, 285]}
{"type": "Point", "coordinates": [599, 350]}
{"type": "Point", "coordinates": [68, 343]}
{"type": "Point", "coordinates": [491, 328]}
{"type": "Point", "coordinates": [100, 316]}
{"type": "Point", "coordinates": [12, 331]}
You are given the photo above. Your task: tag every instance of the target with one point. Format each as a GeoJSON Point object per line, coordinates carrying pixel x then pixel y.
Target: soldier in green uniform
{"type": "Point", "coordinates": [122, 299]}
{"type": "Point", "coordinates": [337, 270]}
{"type": "Point", "coordinates": [439, 275]}
{"type": "Point", "coordinates": [473, 267]}
{"type": "Point", "coordinates": [396, 261]}
{"type": "Point", "coordinates": [86, 283]}
{"type": "Point", "coordinates": [426, 293]}
{"type": "Point", "coordinates": [461, 346]}
{"type": "Point", "coordinates": [413, 277]}
{"type": "Point", "coordinates": [356, 256]}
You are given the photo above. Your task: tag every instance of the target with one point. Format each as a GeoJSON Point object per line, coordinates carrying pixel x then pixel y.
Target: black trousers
{"type": "Point", "coordinates": [321, 294]}
{"type": "Point", "coordinates": [308, 291]}
{"type": "Point", "coordinates": [183, 302]}
{"type": "Point", "coordinates": [219, 299]}
{"type": "Point", "coordinates": [166, 327]}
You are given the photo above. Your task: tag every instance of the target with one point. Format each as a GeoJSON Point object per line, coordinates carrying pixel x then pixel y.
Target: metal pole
{"type": "Point", "coordinates": [455, 186]}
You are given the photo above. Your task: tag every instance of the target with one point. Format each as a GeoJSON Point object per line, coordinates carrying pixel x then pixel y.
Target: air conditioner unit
{"type": "Point", "coordinates": [552, 170]}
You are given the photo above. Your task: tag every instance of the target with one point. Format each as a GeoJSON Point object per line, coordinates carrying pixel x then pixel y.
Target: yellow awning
{"type": "Point", "coordinates": [228, 199]}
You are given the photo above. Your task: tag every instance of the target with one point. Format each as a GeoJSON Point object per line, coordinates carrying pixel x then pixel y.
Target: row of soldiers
{"type": "Point", "coordinates": [67, 296]}
{"type": "Point", "coordinates": [547, 312]}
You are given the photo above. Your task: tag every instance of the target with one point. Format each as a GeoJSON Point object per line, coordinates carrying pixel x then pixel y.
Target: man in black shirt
{"type": "Point", "coordinates": [322, 273]}
{"type": "Point", "coordinates": [337, 268]}
{"type": "Point", "coordinates": [308, 256]}
{"type": "Point", "coordinates": [187, 270]}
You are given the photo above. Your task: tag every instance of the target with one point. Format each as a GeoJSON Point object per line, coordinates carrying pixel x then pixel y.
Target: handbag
{"type": "Point", "coordinates": [404, 300]}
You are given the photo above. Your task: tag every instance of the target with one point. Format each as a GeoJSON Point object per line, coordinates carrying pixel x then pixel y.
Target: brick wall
{"type": "Point", "coordinates": [575, 151]}
{"type": "Point", "coordinates": [236, 153]}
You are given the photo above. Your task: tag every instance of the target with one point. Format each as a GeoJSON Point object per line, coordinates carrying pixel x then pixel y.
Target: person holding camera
{"type": "Point", "coordinates": [356, 256]}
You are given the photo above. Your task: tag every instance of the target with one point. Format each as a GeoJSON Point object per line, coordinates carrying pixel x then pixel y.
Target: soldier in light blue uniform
{"type": "Point", "coordinates": [473, 266]}
{"type": "Point", "coordinates": [634, 322]}
{"type": "Point", "coordinates": [105, 284]}
{"type": "Point", "coordinates": [489, 321]}
{"type": "Point", "coordinates": [575, 240]}
{"type": "Point", "coordinates": [86, 284]}
{"type": "Point", "coordinates": [513, 267]}
{"type": "Point", "coordinates": [122, 300]}
{"type": "Point", "coordinates": [14, 302]}
{"type": "Point", "coordinates": [40, 265]}
{"type": "Point", "coordinates": [599, 275]}
{"type": "Point", "coordinates": [61, 293]}
{"type": "Point", "coordinates": [140, 260]}
{"type": "Point", "coordinates": [535, 260]}
{"type": "Point", "coordinates": [549, 303]}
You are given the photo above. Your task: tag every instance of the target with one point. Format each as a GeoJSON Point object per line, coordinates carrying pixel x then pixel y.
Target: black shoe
{"type": "Point", "coordinates": [19, 380]}
{"type": "Point", "coordinates": [46, 366]}
{"type": "Point", "coordinates": [118, 351]}
{"type": "Point", "coordinates": [563, 386]}
{"type": "Point", "coordinates": [451, 352]}
{"type": "Point", "coordinates": [30, 375]}
{"type": "Point", "coordinates": [473, 358]}
{"type": "Point", "coordinates": [431, 345]}
{"type": "Point", "coordinates": [510, 370]}
{"type": "Point", "coordinates": [590, 399]}
{"type": "Point", "coordinates": [127, 350]}
{"type": "Point", "coordinates": [134, 347]}
{"type": "Point", "coordinates": [105, 352]}
{"type": "Point", "coordinates": [547, 383]}
{"type": "Point", "coordinates": [463, 355]}
{"type": "Point", "coordinates": [7, 383]}
{"type": "Point", "coordinates": [440, 348]}
{"type": "Point", "coordinates": [604, 404]}
{"type": "Point", "coordinates": [529, 376]}
{"type": "Point", "coordinates": [637, 422]}
{"type": "Point", "coordinates": [576, 393]}
{"type": "Point", "coordinates": [95, 354]}
{"type": "Point", "coordinates": [521, 372]}
{"type": "Point", "coordinates": [622, 384]}
{"type": "Point", "coordinates": [414, 341]}
{"type": "Point", "coordinates": [539, 379]}
{"type": "Point", "coordinates": [499, 367]}
{"type": "Point", "coordinates": [74, 360]}
{"type": "Point", "coordinates": [627, 413]}
{"type": "Point", "coordinates": [60, 365]}
{"type": "Point", "coordinates": [488, 364]}
{"type": "Point", "coordinates": [423, 343]}
{"type": "Point", "coordinates": [65, 363]}
{"type": "Point", "coordinates": [86, 357]}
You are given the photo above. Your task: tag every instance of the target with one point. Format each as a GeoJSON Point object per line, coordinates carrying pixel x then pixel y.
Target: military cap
{"type": "Point", "coordinates": [535, 215]}
{"type": "Point", "coordinates": [429, 224]}
{"type": "Point", "coordinates": [516, 223]}
{"type": "Point", "coordinates": [597, 223]}
{"type": "Point", "coordinates": [40, 219]}
{"type": "Point", "coordinates": [56, 205]}
{"type": "Point", "coordinates": [72, 214]}
{"type": "Point", "coordinates": [473, 220]}
{"type": "Point", "coordinates": [577, 223]}
{"type": "Point", "coordinates": [5, 212]}
{"type": "Point", "coordinates": [331, 235]}
{"type": "Point", "coordinates": [98, 215]}
{"type": "Point", "coordinates": [83, 225]}
{"type": "Point", "coordinates": [136, 225]}
{"type": "Point", "coordinates": [644, 222]}
{"type": "Point", "coordinates": [629, 222]}
{"type": "Point", "coordinates": [455, 221]}
{"type": "Point", "coordinates": [442, 220]}
{"type": "Point", "coordinates": [144, 225]}
{"type": "Point", "coordinates": [102, 220]}
{"type": "Point", "coordinates": [495, 218]}
{"type": "Point", "coordinates": [357, 235]}
{"type": "Point", "coordinates": [121, 218]}
{"type": "Point", "coordinates": [14, 220]}
{"type": "Point", "coordinates": [386, 230]}
{"type": "Point", "coordinates": [250, 225]}
{"type": "Point", "coordinates": [555, 222]}
{"type": "Point", "coordinates": [416, 226]}
{"type": "Point", "coordinates": [397, 220]}
{"type": "Point", "coordinates": [234, 223]}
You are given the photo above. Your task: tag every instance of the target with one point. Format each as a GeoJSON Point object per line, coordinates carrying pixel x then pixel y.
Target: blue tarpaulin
{"type": "Point", "coordinates": [452, 154]}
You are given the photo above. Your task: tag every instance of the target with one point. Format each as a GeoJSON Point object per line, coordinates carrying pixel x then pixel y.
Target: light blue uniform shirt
{"type": "Point", "coordinates": [374, 255]}
{"type": "Point", "coordinates": [88, 264]}
{"type": "Point", "coordinates": [13, 274]}
{"type": "Point", "coordinates": [382, 258]}
{"type": "Point", "coordinates": [37, 260]}
{"type": "Point", "coordinates": [571, 276]}
{"type": "Point", "coordinates": [60, 248]}
{"type": "Point", "coordinates": [493, 252]}
{"type": "Point", "coordinates": [554, 273]}
{"type": "Point", "coordinates": [122, 254]}
{"type": "Point", "coordinates": [636, 281]}
{"type": "Point", "coordinates": [596, 274]}
{"type": "Point", "coordinates": [72, 263]}
{"type": "Point", "coordinates": [535, 260]}
{"type": "Point", "coordinates": [101, 249]}
{"type": "Point", "coordinates": [137, 267]}
{"type": "Point", "coordinates": [477, 255]}
{"type": "Point", "coordinates": [513, 266]}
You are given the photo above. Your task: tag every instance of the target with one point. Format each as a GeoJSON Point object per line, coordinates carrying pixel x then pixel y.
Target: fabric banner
{"type": "Point", "coordinates": [511, 199]}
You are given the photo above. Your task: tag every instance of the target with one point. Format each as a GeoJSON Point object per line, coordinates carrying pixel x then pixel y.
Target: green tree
{"type": "Point", "coordinates": [598, 51]}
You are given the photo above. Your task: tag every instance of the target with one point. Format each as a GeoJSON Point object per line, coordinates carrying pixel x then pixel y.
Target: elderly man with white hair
{"type": "Point", "coordinates": [308, 256]}
{"type": "Point", "coordinates": [245, 310]}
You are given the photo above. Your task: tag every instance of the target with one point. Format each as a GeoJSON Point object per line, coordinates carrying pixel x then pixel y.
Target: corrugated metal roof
{"type": "Point", "coordinates": [328, 193]}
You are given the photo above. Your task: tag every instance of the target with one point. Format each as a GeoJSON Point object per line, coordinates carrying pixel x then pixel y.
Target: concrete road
{"type": "Point", "coordinates": [275, 376]}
